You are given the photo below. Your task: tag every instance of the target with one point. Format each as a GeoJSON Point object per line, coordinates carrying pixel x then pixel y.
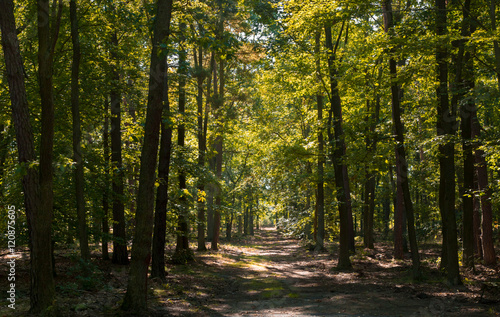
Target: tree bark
{"type": "Point", "coordinates": [77, 135]}
{"type": "Point", "coordinates": [183, 227]}
{"type": "Point", "coordinates": [446, 126]}
{"type": "Point", "coordinates": [105, 193]}
{"type": "Point", "coordinates": [48, 32]}
{"type": "Point", "coordinates": [160, 217]}
{"type": "Point", "coordinates": [401, 163]}
{"type": "Point", "coordinates": [42, 287]}
{"type": "Point", "coordinates": [488, 248]}
{"type": "Point", "coordinates": [137, 290]}
{"type": "Point", "coordinates": [337, 142]}
{"type": "Point", "coordinates": [202, 141]}
{"type": "Point", "coordinates": [320, 196]}
{"type": "Point", "coordinates": [218, 148]}
{"type": "Point", "coordinates": [369, 203]}
{"type": "Point", "coordinates": [120, 253]}
{"type": "Point", "coordinates": [464, 83]}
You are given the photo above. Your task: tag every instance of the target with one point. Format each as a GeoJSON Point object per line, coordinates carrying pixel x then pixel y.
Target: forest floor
{"type": "Point", "coordinates": [270, 275]}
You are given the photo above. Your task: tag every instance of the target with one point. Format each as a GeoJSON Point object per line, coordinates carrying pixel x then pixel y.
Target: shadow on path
{"type": "Point", "coordinates": [270, 275]}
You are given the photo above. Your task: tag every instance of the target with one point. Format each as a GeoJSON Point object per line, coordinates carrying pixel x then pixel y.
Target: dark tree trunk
{"type": "Point", "coordinates": [42, 286]}
{"type": "Point", "coordinates": [120, 253]}
{"type": "Point", "coordinates": [77, 135]}
{"type": "Point", "coordinates": [105, 194]}
{"type": "Point", "coordinates": [183, 227]}
{"type": "Point", "coordinates": [219, 103]}
{"type": "Point", "coordinates": [369, 203]}
{"type": "Point", "coordinates": [240, 225]}
{"type": "Point", "coordinates": [202, 141]}
{"type": "Point", "coordinates": [446, 126]}
{"type": "Point", "coordinates": [160, 217]}
{"type": "Point", "coordinates": [488, 249]}
{"type": "Point", "coordinates": [401, 163]}
{"type": "Point", "coordinates": [4, 151]}
{"type": "Point", "coordinates": [250, 219]}
{"type": "Point", "coordinates": [245, 221]}
{"type": "Point", "coordinates": [398, 219]}
{"type": "Point", "coordinates": [478, 244]}
{"type": "Point", "coordinates": [337, 142]}
{"type": "Point", "coordinates": [464, 83]}
{"type": "Point", "coordinates": [229, 226]}
{"type": "Point", "coordinates": [319, 226]}
{"type": "Point", "coordinates": [48, 31]}
{"type": "Point", "coordinates": [137, 289]}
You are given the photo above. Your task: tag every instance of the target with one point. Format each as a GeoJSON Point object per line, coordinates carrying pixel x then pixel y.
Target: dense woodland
{"type": "Point", "coordinates": [127, 126]}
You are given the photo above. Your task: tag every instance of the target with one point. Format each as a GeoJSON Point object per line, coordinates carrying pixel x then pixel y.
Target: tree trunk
{"type": "Point", "coordinates": [464, 83]}
{"type": "Point", "coordinates": [446, 126]}
{"type": "Point", "coordinates": [5, 140]}
{"type": "Point", "coordinates": [42, 288]}
{"type": "Point", "coordinates": [219, 103]}
{"type": "Point", "coordinates": [183, 227]}
{"type": "Point", "coordinates": [319, 227]}
{"type": "Point", "coordinates": [77, 135]}
{"type": "Point", "coordinates": [488, 249]}
{"type": "Point", "coordinates": [105, 193]}
{"type": "Point", "coordinates": [137, 289]}
{"type": "Point", "coordinates": [202, 141]}
{"type": "Point", "coordinates": [398, 219]}
{"type": "Point", "coordinates": [42, 242]}
{"type": "Point", "coordinates": [250, 219]}
{"type": "Point", "coordinates": [478, 244]}
{"type": "Point", "coordinates": [369, 203]}
{"type": "Point", "coordinates": [245, 222]}
{"type": "Point", "coordinates": [160, 217]}
{"type": "Point", "coordinates": [240, 225]}
{"type": "Point", "coordinates": [120, 253]}
{"type": "Point", "coordinates": [401, 163]}
{"type": "Point", "coordinates": [337, 142]}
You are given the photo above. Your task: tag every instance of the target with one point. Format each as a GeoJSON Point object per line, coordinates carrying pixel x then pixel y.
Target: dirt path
{"type": "Point", "coordinates": [274, 276]}
{"type": "Point", "coordinates": [267, 275]}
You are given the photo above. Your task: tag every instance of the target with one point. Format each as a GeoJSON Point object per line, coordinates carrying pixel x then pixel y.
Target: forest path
{"type": "Point", "coordinates": [270, 275]}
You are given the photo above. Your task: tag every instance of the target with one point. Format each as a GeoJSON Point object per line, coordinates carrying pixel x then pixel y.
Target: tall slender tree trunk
{"type": "Point", "coordinates": [105, 194]}
{"type": "Point", "coordinates": [48, 32]}
{"type": "Point", "coordinates": [399, 207]}
{"type": "Point", "coordinates": [320, 196]}
{"type": "Point", "coordinates": [77, 135]}
{"type": "Point", "coordinates": [120, 253]}
{"type": "Point", "coordinates": [251, 217]}
{"type": "Point", "coordinates": [464, 83]}
{"type": "Point", "coordinates": [369, 203]}
{"type": "Point", "coordinates": [202, 141]}
{"type": "Point", "coordinates": [478, 244]}
{"type": "Point", "coordinates": [245, 220]}
{"type": "Point", "coordinates": [160, 217]}
{"type": "Point", "coordinates": [183, 227]}
{"type": "Point", "coordinates": [401, 163]}
{"type": "Point", "coordinates": [218, 148]}
{"type": "Point", "coordinates": [337, 142]}
{"type": "Point", "coordinates": [446, 126]}
{"type": "Point", "coordinates": [482, 167]}
{"type": "Point", "coordinates": [42, 287]}
{"type": "Point", "coordinates": [137, 288]}
{"type": "Point", "coordinates": [4, 151]}
{"type": "Point", "coordinates": [488, 249]}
